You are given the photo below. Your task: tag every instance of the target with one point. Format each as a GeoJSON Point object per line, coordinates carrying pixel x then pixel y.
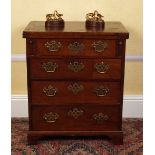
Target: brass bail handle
{"type": "Point", "coordinates": [50, 66]}
{"type": "Point", "coordinates": [50, 117]}
{"type": "Point", "coordinates": [50, 91]}
{"type": "Point", "coordinates": [101, 67]}
{"type": "Point", "coordinates": [53, 46]}
{"type": "Point", "coordinates": [101, 91]}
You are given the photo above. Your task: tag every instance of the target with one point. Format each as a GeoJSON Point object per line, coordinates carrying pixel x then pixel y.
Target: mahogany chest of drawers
{"type": "Point", "coordinates": [75, 80]}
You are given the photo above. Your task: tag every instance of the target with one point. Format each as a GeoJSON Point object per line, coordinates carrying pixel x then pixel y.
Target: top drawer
{"type": "Point", "coordinates": [75, 47]}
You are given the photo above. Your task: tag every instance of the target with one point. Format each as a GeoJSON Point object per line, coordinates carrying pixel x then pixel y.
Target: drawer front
{"type": "Point", "coordinates": [75, 118]}
{"type": "Point", "coordinates": [76, 68]}
{"type": "Point", "coordinates": [75, 47]}
{"type": "Point", "coordinates": [53, 92]}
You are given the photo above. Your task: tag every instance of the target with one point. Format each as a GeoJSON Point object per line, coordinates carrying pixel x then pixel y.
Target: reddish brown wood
{"type": "Point", "coordinates": [63, 95]}
{"type": "Point", "coordinates": [87, 50]}
{"type": "Point", "coordinates": [88, 72]}
{"type": "Point", "coordinates": [115, 137]}
{"type": "Point", "coordinates": [32, 139]}
{"type": "Point", "coordinates": [83, 122]}
{"type": "Point", "coordinates": [115, 35]}
{"type": "Point", "coordinates": [112, 30]}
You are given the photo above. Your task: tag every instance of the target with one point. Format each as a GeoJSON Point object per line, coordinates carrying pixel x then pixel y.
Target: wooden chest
{"type": "Point", "coordinates": [75, 80]}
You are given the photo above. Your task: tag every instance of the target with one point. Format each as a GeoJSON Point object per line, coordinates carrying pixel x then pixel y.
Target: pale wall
{"type": "Point", "coordinates": [129, 12]}
{"type": "Point", "coordinates": [133, 80]}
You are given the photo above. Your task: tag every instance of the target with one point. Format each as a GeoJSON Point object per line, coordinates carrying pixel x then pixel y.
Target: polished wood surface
{"type": "Point", "coordinates": [84, 122]}
{"type": "Point", "coordinates": [75, 80]}
{"type": "Point", "coordinates": [36, 29]}
{"type": "Point", "coordinates": [116, 137]}
{"type": "Point", "coordinates": [87, 72]}
{"type": "Point", "coordinates": [87, 50]}
{"type": "Point", "coordinates": [63, 95]}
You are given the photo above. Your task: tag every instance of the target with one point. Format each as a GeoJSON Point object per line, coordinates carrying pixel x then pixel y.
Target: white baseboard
{"type": "Point", "coordinates": [22, 57]}
{"type": "Point", "coordinates": [19, 106]}
{"type": "Point", "coordinates": [132, 107]}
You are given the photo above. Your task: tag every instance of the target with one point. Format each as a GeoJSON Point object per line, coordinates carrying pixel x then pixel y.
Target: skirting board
{"type": "Point", "coordinates": [132, 106]}
{"type": "Point", "coordinates": [22, 57]}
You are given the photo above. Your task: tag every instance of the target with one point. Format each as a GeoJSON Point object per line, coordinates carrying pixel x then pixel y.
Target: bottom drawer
{"type": "Point", "coordinates": [75, 118]}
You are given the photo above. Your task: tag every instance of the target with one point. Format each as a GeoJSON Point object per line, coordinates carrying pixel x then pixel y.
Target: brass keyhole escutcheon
{"type": "Point", "coordinates": [100, 46]}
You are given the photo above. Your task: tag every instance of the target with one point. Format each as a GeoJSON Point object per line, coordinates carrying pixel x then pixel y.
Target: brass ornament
{"type": "Point", "coordinates": [100, 117]}
{"type": "Point", "coordinates": [75, 113]}
{"type": "Point", "coordinates": [54, 17]}
{"type": "Point", "coordinates": [101, 91]}
{"type": "Point", "coordinates": [50, 117]}
{"type": "Point", "coordinates": [50, 66]}
{"type": "Point", "coordinates": [101, 67]}
{"type": "Point", "coordinates": [94, 16]}
{"type": "Point", "coordinates": [53, 46]}
{"type": "Point", "coordinates": [94, 21]}
{"type": "Point", "coordinates": [54, 21]}
{"type": "Point", "coordinates": [50, 91]}
{"type": "Point", "coordinates": [76, 66]}
{"type": "Point", "coordinates": [75, 88]}
{"type": "Point", "coordinates": [100, 46]}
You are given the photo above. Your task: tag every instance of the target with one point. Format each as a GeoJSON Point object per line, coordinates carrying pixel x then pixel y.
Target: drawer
{"type": "Point", "coordinates": [75, 118]}
{"type": "Point", "coordinates": [75, 68]}
{"type": "Point", "coordinates": [75, 47]}
{"type": "Point", "coordinates": [53, 92]}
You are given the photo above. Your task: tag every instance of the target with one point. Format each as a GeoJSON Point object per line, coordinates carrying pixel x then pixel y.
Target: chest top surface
{"type": "Point", "coordinates": [36, 29]}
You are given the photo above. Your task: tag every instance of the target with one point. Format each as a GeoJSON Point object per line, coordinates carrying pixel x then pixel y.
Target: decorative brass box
{"type": "Point", "coordinates": [54, 20]}
{"type": "Point", "coordinates": [94, 20]}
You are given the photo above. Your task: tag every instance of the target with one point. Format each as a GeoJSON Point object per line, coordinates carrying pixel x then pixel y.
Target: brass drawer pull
{"type": "Point", "coordinates": [50, 90]}
{"type": "Point", "coordinates": [53, 46]}
{"type": "Point", "coordinates": [75, 88]}
{"type": "Point", "coordinates": [100, 46]}
{"type": "Point", "coordinates": [50, 117]}
{"type": "Point", "coordinates": [75, 113]}
{"type": "Point", "coordinates": [101, 67]}
{"type": "Point", "coordinates": [76, 46]}
{"type": "Point", "coordinates": [100, 117]}
{"type": "Point", "coordinates": [76, 66]}
{"type": "Point", "coordinates": [50, 66]}
{"type": "Point", "coordinates": [101, 91]}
